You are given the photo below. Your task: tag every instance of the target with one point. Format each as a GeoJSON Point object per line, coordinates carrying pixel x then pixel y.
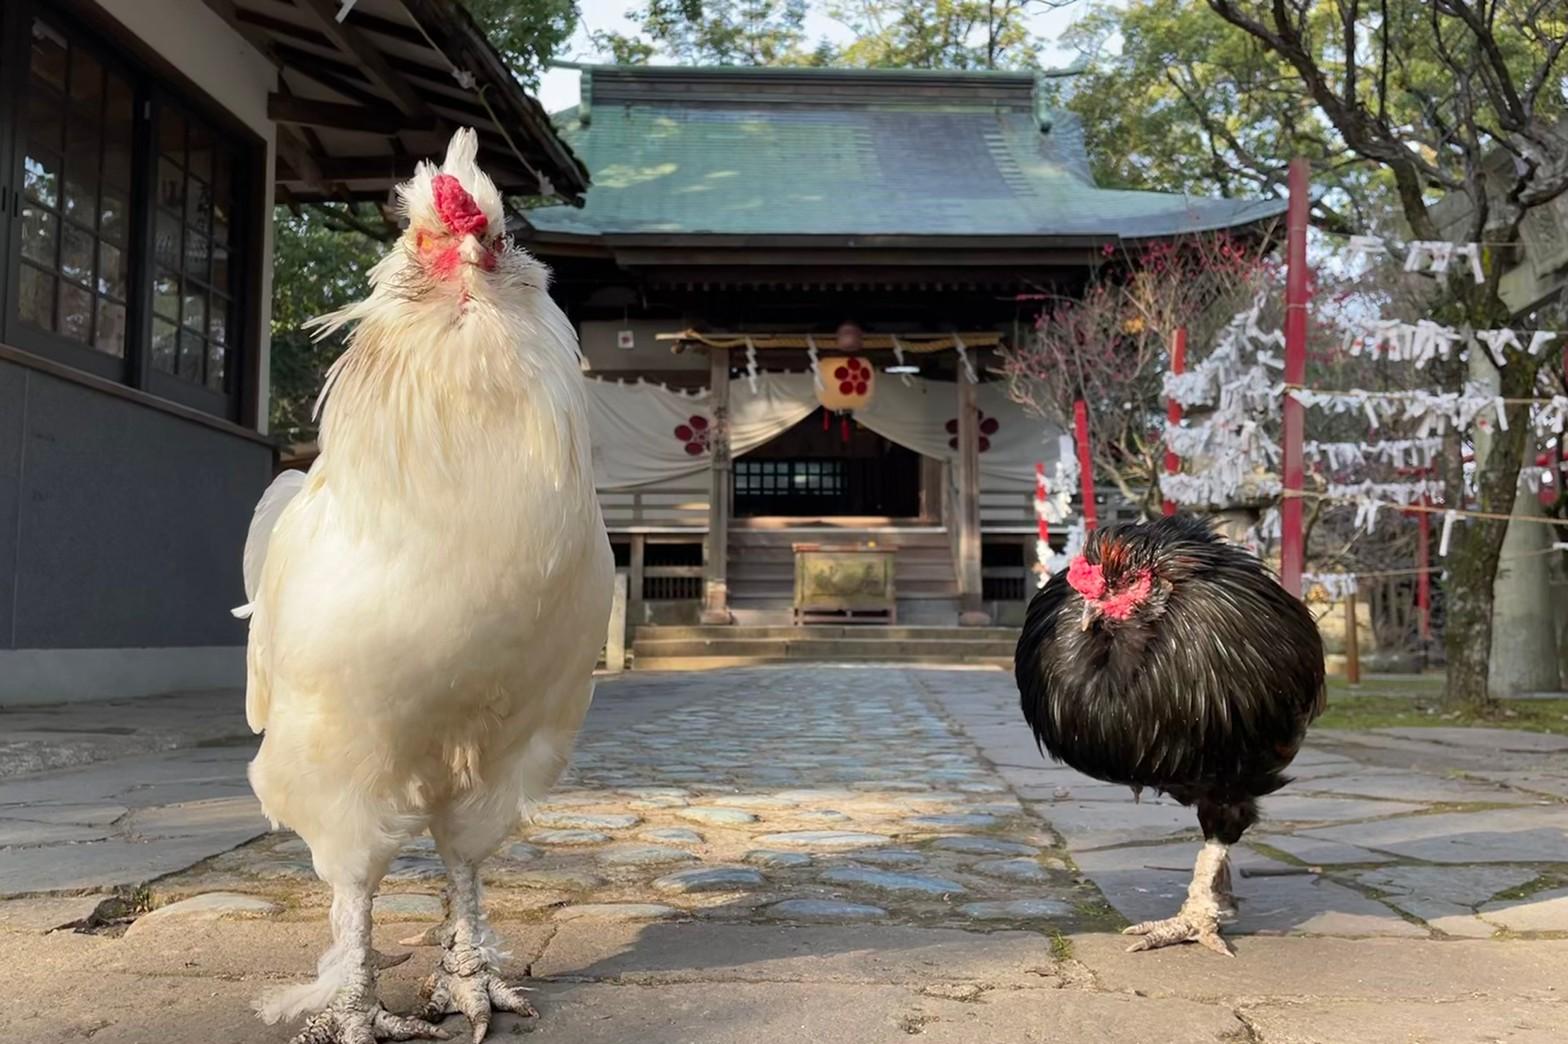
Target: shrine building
{"type": "Point", "coordinates": [791, 287]}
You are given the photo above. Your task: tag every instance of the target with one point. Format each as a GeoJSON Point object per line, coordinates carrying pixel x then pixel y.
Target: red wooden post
{"type": "Point", "coordinates": [1173, 408]}
{"type": "Point", "coordinates": [1293, 550]}
{"type": "Point", "coordinates": [1424, 578]}
{"type": "Point", "coordinates": [1085, 464]}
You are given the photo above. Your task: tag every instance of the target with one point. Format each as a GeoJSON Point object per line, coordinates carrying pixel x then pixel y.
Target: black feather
{"type": "Point", "coordinates": [1204, 692]}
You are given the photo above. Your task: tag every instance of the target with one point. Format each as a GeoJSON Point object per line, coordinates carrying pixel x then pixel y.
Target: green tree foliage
{"type": "Point", "coordinates": [938, 34]}
{"type": "Point", "coordinates": [318, 268]}
{"type": "Point", "coordinates": [714, 32]}
{"type": "Point", "coordinates": [1461, 105]}
{"type": "Point", "coordinates": [1174, 99]}
{"type": "Point", "coordinates": [906, 34]}
{"type": "Point", "coordinates": [528, 33]}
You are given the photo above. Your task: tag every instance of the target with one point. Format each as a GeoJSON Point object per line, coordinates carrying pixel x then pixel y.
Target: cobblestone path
{"type": "Point", "coordinates": [819, 854]}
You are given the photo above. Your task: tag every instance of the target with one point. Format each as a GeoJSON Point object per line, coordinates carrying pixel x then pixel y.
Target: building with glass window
{"type": "Point", "coordinates": [143, 144]}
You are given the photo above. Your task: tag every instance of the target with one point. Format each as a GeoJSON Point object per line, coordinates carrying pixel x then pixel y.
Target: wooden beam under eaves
{"type": "Point", "coordinates": [306, 112]}
{"type": "Point", "coordinates": [305, 164]}
{"type": "Point", "coordinates": [348, 39]}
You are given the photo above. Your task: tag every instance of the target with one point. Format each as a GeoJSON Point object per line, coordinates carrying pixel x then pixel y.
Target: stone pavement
{"type": "Point", "coordinates": [812, 853]}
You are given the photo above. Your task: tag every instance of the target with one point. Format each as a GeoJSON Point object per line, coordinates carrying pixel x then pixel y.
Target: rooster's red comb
{"type": "Point", "coordinates": [456, 207]}
{"type": "Point", "coordinates": [1085, 577]}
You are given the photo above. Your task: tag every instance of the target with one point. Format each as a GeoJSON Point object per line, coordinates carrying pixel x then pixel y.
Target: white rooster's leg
{"type": "Point", "coordinates": [1198, 920]}
{"type": "Point", "coordinates": [467, 980]}
{"type": "Point", "coordinates": [354, 1016]}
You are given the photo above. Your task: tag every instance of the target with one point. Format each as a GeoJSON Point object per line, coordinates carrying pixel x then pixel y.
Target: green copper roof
{"type": "Point", "coordinates": [848, 152]}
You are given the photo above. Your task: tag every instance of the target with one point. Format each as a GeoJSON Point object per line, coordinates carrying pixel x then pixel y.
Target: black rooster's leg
{"type": "Point", "coordinates": [467, 980]}
{"type": "Point", "coordinates": [1224, 891]}
{"type": "Point", "coordinates": [1198, 920]}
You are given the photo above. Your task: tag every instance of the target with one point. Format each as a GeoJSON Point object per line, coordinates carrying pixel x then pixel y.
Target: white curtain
{"type": "Point", "coordinates": [917, 415]}
{"type": "Point", "coordinates": [638, 428]}
{"type": "Point", "coordinates": [636, 442]}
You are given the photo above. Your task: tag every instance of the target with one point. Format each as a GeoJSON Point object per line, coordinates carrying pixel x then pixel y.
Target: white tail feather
{"type": "Point", "coordinates": [270, 508]}
{"type": "Point", "coordinates": [289, 1002]}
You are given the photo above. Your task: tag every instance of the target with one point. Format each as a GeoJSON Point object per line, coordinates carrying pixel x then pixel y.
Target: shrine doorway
{"type": "Point", "coordinates": [828, 466]}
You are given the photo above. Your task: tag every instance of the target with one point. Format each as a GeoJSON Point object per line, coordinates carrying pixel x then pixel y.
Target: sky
{"type": "Point", "coordinates": [558, 88]}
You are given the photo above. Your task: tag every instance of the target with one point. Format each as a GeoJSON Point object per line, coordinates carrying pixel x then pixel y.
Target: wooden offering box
{"type": "Point", "coordinates": [844, 583]}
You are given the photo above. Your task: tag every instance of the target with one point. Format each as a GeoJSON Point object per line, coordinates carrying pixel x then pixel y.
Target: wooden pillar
{"type": "Point", "coordinates": [716, 548]}
{"type": "Point", "coordinates": [615, 641]}
{"type": "Point", "coordinates": [636, 574]}
{"type": "Point", "coordinates": [931, 479]}
{"type": "Point", "coordinates": [970, 610]}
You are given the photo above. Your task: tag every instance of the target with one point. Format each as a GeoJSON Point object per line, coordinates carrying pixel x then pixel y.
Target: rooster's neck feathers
{"type": "Point", "coordinates": [443, 373]}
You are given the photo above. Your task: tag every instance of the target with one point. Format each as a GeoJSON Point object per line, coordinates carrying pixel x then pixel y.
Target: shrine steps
{"type": "Point", "coordinates": [699, 648]}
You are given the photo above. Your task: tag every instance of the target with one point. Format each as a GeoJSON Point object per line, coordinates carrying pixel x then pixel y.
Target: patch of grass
{"type": "Point", "coordinates": [1061, 946]}
{"type": "Point", "coordinates": [1380, 703]}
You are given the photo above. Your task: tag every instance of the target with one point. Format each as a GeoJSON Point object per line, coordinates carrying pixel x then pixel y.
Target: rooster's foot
{"type": "Point", "coordinates": [466, 983]}
{"type": "Point", "coordinates": [1186, 926]}
{"type": "Point", "coordinates": [345, 1022]}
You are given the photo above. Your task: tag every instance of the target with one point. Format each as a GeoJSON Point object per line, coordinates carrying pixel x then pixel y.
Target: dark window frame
{"type": "Point", "coordinates": [158, 92]}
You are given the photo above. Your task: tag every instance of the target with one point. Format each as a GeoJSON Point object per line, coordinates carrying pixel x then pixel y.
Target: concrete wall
{"type": "Point", "coordinates": [191, 36]}
{"type": "Point", "coordinates": [121, 528]}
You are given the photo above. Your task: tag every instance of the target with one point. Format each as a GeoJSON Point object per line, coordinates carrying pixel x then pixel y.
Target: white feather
{"type": "Point", "coordinates": [268, 510]}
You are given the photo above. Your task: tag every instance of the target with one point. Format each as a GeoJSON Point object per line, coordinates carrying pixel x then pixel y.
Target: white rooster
{"type": "Point", "coordinates": [427, 604]}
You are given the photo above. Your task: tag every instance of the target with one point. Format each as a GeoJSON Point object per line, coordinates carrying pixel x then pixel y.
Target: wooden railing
{"type": "Point", "coordinates": [655, 507]}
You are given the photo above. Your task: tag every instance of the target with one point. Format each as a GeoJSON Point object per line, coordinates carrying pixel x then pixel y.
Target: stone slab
{"type": "Point", "coordinates": [1018, 910]}
{"type": "Point", "coordinates": [1301, 905]}
{"type": "Point", "coordinates": [1418, 787]}
{"type": "Point", "coordinates": [1085, 825]}
{"type": "Point", "coordinates": [643, 855]}
{"type": "Point", "coordinates": [586, 820]}
{"type": "Point", "coordinates": [710, 879]}
{"type": "Point", "coordinates": [209, 906]}
{"type": "Point", "coordinates": [46, 913]}
{"type": "Point", "coordinates": [823, 839]}
{"type": "Point", "coordinates": [723, 817]}
{"type": "Point", "coordinates": [1541, 912]}
{"type": "Point", "coordinates": [1027, 871]}
{"type": "Point", "coordinates": [26, 832]}
{"type": "Point", "coordinates": [1370, 969]}
{"type": "Point", "coordinates": [823, 911]}
{"type": "Point", "coordinates": [1307, 808]}
{"type": "Point", "coordinates": [1464, 886]}
{"type": "Point", "coordinates": [1317, 852]}
{"type": "Point", "coordinates": [1512, 835]}
{"type": "Point", "coordinates": [617, 912]}
{"type": "Point", "coordinates": [983, 846]}
{"type": "Point", "coordinates": [861, 953]}
{"type": "Point", "coordinates": [1484, 740]}
{"type": "Point", "coordinates": [109, 864]}
{"type": "Point", "coordinates": [1380, 1022]}
{"type": "Point", "coordinates": [831, 1013]}
{"type": "Point", "coordinates": [892, 883]}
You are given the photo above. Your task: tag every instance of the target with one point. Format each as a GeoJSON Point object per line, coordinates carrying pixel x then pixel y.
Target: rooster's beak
{"type": "Point", "coordinates": [470, 250]}
{"type": "Point", "coordinates": [1088, 616]}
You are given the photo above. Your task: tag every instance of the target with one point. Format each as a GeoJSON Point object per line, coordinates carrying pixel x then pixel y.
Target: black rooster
{"type": "Point", "coordinates": [1167, 658]}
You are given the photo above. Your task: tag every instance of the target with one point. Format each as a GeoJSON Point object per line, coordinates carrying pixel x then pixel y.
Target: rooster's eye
{"type": "Point", "coordinates": [425, 243]}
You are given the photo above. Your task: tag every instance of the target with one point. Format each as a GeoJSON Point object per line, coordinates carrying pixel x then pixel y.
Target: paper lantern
{"type": "Point", "coordinates": [847, 382]}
